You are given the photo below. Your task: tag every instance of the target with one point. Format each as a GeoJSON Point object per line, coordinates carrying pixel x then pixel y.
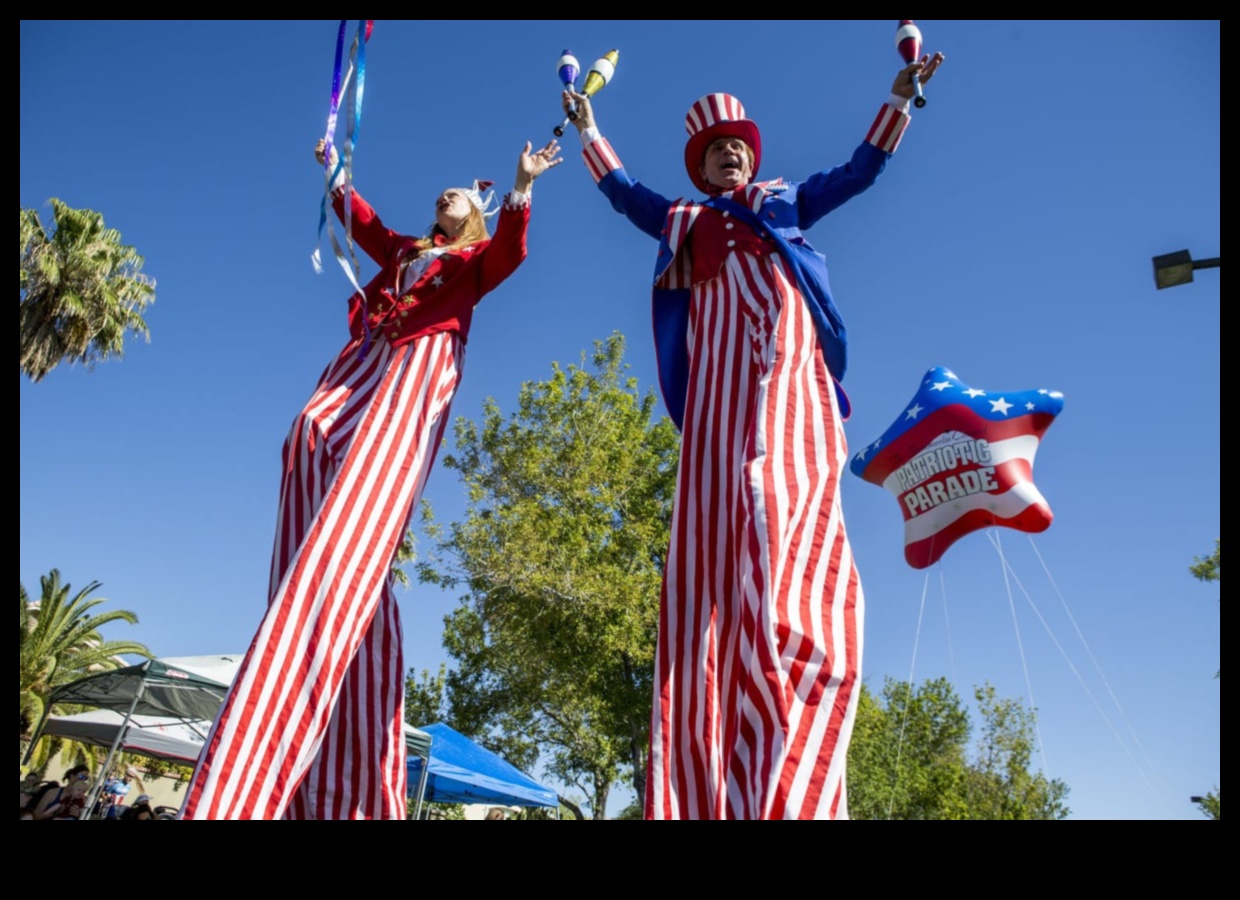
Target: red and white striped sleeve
{"type": "Point", "coordinates": [600, 159]}
{"type": "Point", "coordinates": [889, 125]}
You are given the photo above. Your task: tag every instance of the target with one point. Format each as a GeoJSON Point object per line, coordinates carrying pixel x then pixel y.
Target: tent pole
{"type": "Point", "coordinates": [426, 769]}
{"type": "Point", "coordinates": [93, 797]}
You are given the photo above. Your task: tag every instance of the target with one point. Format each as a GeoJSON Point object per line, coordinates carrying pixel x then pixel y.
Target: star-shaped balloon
{"type": "Point", "coordinates": [959, 459]}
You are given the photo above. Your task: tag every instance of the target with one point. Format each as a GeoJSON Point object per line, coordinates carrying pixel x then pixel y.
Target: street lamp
{"type": "Point", "coordinates": [1177, 268]}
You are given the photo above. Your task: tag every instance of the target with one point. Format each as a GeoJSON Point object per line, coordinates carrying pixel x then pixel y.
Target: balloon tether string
{"type": "Point", "coordinates": [895, 777]}
{"type": "Point", "coordinates": [1024, 663]}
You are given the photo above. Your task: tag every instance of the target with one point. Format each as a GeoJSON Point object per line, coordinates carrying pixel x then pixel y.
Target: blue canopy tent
{"type": "Point", "coordinates": [460, 771]}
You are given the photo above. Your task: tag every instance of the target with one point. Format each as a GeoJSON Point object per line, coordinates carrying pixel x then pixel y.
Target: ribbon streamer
{"type": "Point", "coordinates": [352, 91]}
{"type": "Point", "coordinates": [329, 136]}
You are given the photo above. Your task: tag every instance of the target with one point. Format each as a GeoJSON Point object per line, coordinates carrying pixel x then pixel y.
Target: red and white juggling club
{"type": "Point", "coordinates": [908, 42]}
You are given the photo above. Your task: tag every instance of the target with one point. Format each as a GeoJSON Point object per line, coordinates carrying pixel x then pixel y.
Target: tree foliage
{"type": "Point", "coordinates": [81, 290]}
{"type": "Point", "coordinates": [60, 642]}
{"type": "Point", "coordinates": [1001, 784]}
{"type": "Point", "coordinates": [561, 554]}
{"type": "Point", "coordinates": [157, 768]}
{"type": "Point", "coordinates": [633, 811]}
{"type": "Point", "coordinates": [1211, 805]}
{"type": "Point", "coordinates": [1208, 568]}
{"type": "Point", "coordinates": [907, 755]}
{"type": "Point", "coordinates": [426, 697]}
{"type": "Point", "coordinates": [909, 758]}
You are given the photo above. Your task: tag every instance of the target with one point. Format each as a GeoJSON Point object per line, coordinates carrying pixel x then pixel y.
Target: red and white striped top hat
{"type": "Point", "coordinates": [715, 116]}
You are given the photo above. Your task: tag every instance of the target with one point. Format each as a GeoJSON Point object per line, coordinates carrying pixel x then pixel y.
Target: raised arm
{"type": "Point", "coordinates": [507, 248]}
{"type": "Point", "coordinates": [379, 241]}
{"type": "Point", "coordinates": [825, 191]}
{"type": "Point", "coordinates": [644, 208]}
{"type": "Point", "coordinates": [531, 165]}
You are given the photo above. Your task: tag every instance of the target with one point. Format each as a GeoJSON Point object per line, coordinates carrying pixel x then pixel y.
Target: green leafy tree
{"type": "Point", "coordinates": [907, 755]}
{"type": "Point", "coordinates": [157, 768]}
{"type": "Point", "coordinates": [60, 642]}
{"type": "Point", "coordinates": [1211, 804]}
{"type": "Point", "coordinates": [561, 553]}
{"type": "Point", "coordinates": [632, 811]}
{"type": "Point", "coordinates": [1208, 569]}
{"type": "Point", "coordinates": [426, 697]}
{"type": "Point", "coordinates": [407, 552]}
{"type": "Point", "coordinates": [1001, 785]}
{"type": "Point", "coordinates": [909, 758]}
{"type": "Point", "coordinates": [81, 290]}
{"type": "Point", "coordinates": [55, 753]}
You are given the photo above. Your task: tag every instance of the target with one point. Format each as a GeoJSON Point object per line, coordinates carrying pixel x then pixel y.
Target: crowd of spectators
{"type": "Point", "coordinates": [66, 800]}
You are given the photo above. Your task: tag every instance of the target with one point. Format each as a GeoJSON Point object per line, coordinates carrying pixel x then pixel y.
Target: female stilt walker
{"type": "Point", "coordinates": [313, 725]}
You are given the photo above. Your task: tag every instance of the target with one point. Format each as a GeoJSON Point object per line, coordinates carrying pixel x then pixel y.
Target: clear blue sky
{"type": "Point", "coordinates": [1009, 239]}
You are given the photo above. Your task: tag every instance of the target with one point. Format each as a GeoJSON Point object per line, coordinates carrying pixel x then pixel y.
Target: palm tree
{"type": "Point", "coordinates": [81, 290]}
{"type": "Point", "coordinates": [60, 643]}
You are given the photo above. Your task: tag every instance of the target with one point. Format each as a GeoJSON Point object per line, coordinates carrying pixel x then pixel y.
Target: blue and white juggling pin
{"type": "Point", "coordinates": [568, 69]}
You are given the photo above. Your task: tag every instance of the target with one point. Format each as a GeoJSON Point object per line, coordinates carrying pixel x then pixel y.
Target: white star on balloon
{"type": "Point", "coordinates": [1000, 406]}
{"type": "Point", "coordinates": [437, 281]}
{"type": "Point", "coordinates": [941, 385]}
{"type": "Point", "coordinates": [974, 392]}
{"type": "Point", "coordinates": [1029, 406]}
{"type": "Point", "coordinates": [914, 411]}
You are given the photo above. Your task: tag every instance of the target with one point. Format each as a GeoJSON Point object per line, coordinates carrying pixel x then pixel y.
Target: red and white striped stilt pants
{"type": "Point", "coordinates": [313, 726]}
{"type": "Point", "coordinates": [759, 645]}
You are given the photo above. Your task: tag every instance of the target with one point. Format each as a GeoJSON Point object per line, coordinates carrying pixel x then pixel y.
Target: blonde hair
{"type": "Point", "coordinates": [472, 231]}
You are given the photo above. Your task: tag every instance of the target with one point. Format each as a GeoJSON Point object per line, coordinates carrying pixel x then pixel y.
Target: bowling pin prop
{"type": "Point", "coordinates": [596, 79]}
{"type": "Point", "coordinates": [908, 43]}
{"type": "Point", "coordinates": [568, 69]}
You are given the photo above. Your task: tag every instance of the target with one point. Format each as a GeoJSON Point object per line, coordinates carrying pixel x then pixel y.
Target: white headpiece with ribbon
{"type": "Point", "coordinates": [480, 200]}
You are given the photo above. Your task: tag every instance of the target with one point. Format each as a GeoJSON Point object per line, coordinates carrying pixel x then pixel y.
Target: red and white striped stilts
{"type": "Point", "coordinates": [761, 624]}
{"type": "Point", "coordinates": [313, 724]}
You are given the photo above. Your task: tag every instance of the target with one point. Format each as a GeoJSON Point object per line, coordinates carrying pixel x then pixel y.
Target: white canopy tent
{"type": "Point", "coordinates": [164, 709]}
{"type": "Point", "coordinates": [188, 689]}
{"type": "Point", "coordinates": [160, 737]}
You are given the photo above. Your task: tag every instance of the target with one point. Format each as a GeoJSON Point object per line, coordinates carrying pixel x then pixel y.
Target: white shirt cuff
{"type": "Point", "coordinates": [895, 101]}
{"type": "Point", "coordinates": [517, 199]}
{"type": "Point", "coordinates": [589, 135]}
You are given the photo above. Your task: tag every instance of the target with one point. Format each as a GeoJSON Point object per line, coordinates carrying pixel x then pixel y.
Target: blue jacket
{"type": "Point", "coordinates": [778, 210]}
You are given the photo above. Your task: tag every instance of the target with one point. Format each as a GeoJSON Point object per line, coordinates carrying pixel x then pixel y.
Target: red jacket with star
{"type": "Point", "coordinates": [443, 297]}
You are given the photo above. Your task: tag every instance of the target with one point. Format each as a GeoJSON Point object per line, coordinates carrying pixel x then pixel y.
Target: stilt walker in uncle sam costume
{"type": "Point", "coordinates": [760, 629]}
{"type": "Point", "coordinates": [313, 727]}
